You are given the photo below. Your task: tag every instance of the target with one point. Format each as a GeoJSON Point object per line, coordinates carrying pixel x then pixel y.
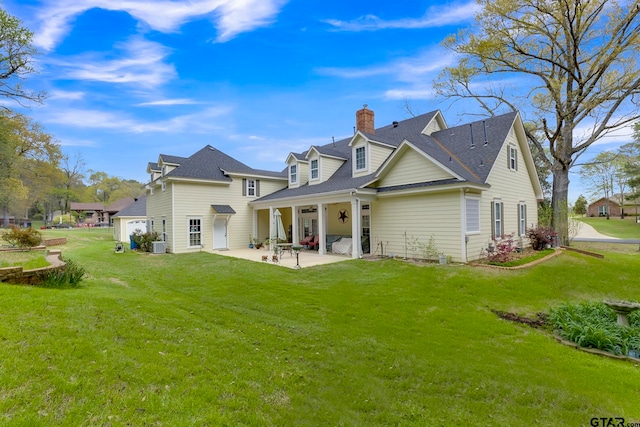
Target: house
{"type": "Point", "coordinates": [89, 213]}
{"type": "Point", "coordinates": [129, 219]}
{"type": "Point", "coordinates": [605, 207]}
{"type": "Point", "coordinates": [392, 189]}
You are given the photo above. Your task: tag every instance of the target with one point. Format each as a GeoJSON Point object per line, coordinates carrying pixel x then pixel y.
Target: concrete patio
{"type": "Point", "coordinates": [307, 258]}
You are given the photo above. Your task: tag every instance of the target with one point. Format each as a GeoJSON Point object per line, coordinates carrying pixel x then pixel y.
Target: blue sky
{"type": "Point", "coordinates": [130, 79]}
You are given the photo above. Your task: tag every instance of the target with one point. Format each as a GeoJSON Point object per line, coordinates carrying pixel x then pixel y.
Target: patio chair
{"type": "Point", "coordinates": [305, 242]}
{"type": "Point", "coordinates": [315, 242]}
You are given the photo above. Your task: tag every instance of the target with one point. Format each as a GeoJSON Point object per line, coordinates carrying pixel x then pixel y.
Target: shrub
{"type": "Point", "coordinates": [503, 249]}
{"type": "Point", "coordinates": [70, 277]}
{"type": "Point", "coordinates": [24, 238]}
{"type": "Point", "coordinates": [145, 240]}
{"type": "Point", "coordinates": [540, 237]}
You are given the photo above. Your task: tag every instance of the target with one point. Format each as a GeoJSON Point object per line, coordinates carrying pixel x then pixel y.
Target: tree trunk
{"type": "Point", "coordinates": [5, 212]}
{"type": "Point", "coordinates": [559, 202]}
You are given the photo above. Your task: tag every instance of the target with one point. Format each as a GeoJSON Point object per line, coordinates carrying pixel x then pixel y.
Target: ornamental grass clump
{"type": "Point", "coordinates": [594, 325]}
{"type": "Point", "coordinates": [70, 277]}
{"type": "Point", "coordinates": [23, 238]}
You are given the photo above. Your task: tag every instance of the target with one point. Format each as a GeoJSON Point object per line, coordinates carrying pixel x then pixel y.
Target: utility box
{"type": "Point", "coordinates": [159, 247]}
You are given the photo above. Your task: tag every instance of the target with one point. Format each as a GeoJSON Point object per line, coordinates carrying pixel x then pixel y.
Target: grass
{"type": "Point", "coordinates": [626, 228]}
{"type": "Point", "coordinates": [27, 260]}
{"type": "Point", "coordinates": [201, 339]}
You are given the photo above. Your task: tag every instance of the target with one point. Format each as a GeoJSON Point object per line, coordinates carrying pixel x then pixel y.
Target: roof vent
{"type": "Point", "coordinates": [395, 124]}
{"type": "Point", "coordinates": [484, 126]}
{"type": "Point", "coordinates": [473, 144]}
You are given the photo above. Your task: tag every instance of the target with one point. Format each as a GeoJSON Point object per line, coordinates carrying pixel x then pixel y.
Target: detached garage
{"type": "Point", "coordinates": [133, 217]}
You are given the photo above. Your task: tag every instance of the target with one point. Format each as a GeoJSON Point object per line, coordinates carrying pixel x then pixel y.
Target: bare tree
{"type": "Point", "coordinates": [568, 64]}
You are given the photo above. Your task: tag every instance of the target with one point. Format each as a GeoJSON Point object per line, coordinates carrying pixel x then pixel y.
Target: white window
{"type": "Point", "coordinates": [293, 173]}
{"type": "Point", "coordinates": [513, 158]}
{"type": "Point", "coordinates": [472, 207]}
{"type": "Point", "coordinates": [164, 229]}
{"type": "Point", "coordinates": [497, 229]}
{"type": "Point", "coordinates": [522, 219]}
{"type": "Point", "coordinates": [164, 185]}
{"type": "Point", "coordinates": [361, 159]}
{"type": "Point", "coordinates": [251, 187]}
{"type": "Point", "coordinates": [195, 232]}
{"type": "Point", "coordinates": [314, 169]}
{"type": "Point", "coordinates": [603, 210]}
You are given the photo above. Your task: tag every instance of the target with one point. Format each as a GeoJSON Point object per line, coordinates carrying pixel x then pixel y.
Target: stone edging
{"type": "Point", "coordinates": [17, 275]}
{"type": "Point", "coordinates": [557, 252]}
{"type": "Point", "coordinates": [594, 350]}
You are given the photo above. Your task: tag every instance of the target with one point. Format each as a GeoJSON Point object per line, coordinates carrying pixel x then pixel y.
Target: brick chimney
{"type": "Point", "coordinates": [364, 120]}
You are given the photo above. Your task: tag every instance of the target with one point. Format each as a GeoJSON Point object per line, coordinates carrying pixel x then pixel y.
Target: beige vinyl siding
{"type": "Point", "coordinates": [328, 166]}
{"type": "Point", "coordinates": [420, 216]}
{"type": "Point", "coordinates": [303, 173]}
{"type": "Point", "coordinates": [432, 127]}
{"type": "Point", "coordinates": [378, 155]}
{"type": "Point", "coordinates": [411, 168]}
{"type": "Point", "coordinates": [159, 205]}
{"type": "Point", "coordinates": [194, 200]}
{"type": "Point", "coordinates": [334, 226]}
{"type": "Point", "coordinates": [511, 188]}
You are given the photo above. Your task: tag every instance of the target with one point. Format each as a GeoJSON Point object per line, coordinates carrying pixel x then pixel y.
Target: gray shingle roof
{"type": "Point", "coordinates": [176, 160]}
{"type": "Point", "coordinates": [212, 164]}
{"type": "Point", "coordinates": [137, 208]}
{"type": "Point", "coordinates": [223, 209]}
{"type": "Point", "coordinates": [450, 147]}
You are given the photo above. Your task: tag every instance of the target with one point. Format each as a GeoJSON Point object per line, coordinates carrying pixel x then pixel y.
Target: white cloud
{"type": "Point", "coordinates": [208, 120]}
{"type": "Point", "coordinates": [435, 16]}
{"type": "Point", "coordinates": [61, 94]}
{"type": "Point", "coordinates": [162, 102]}
{"type": "Point", "coordinates": [140, 63]}
{"type": "Point", "coordinates": [231, 17]}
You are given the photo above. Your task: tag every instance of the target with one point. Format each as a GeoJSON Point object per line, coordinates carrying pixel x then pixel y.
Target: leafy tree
{"type": "Point", "coordinates": [570, 63]}
{"type": "Point", "coordinates": [580, 207]}
{"type": "Point", "coordinates": [632, 164]}
{"type": "Point", "coordinates": [16, 59]}
{"type": "Point", "coordinates": [600, 174]}
{"type": "Point", "coordinates": [24, 146]}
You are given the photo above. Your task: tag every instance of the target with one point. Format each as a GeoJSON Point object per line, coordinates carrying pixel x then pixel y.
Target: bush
{"type": "Point", "coordinates": [503, 249]}
{"type": "Point", "coordinates": [145, 240]}
{"type": "Point", "coordinates": [594, 325]}
{"type": "Point", "coordinates": [540, 237]}
{"type": "Point", "coordinates": [70, 277]}
{"type": "Point", "coordinates": [24, 238]}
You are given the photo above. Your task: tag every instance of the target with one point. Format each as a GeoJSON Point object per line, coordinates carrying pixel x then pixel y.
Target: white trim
{"type": "Point", "coordinates": [292, 174]}
{"type": "Point", "coordinates": [189, 232]}
{"type": "Point", "coordinates": [317, 178]}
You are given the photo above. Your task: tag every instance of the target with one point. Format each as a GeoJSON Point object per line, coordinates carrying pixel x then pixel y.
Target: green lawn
{"type": "Point", "coordinates": [626, 228]}
{"type": "Point", "coordinates": [202, 339]}
{"type": "Point", "coordinates": [27, 259]}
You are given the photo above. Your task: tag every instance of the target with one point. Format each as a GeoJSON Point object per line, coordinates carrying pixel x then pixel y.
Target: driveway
{"type": "Point", "coordinates": [586, 233]}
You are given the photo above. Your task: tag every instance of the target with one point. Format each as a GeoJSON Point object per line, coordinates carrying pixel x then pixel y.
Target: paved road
{"type": "Point", "coordinates": [587, 233]}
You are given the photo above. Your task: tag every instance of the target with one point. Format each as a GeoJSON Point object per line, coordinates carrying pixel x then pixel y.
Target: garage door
{"type": "Point", "coordinates": [136, 225]}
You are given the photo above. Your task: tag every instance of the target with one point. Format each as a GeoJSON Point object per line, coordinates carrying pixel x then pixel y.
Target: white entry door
{"type": "Point", "coordinates": [220, 233]}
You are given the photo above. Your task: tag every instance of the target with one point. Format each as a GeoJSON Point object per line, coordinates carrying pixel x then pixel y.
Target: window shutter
{"type": "Point", "coordinates": [257, 188]}
{"type": "Point", "coordinates": [501, 219]}
{"type": "Point", "coordinates": [515, 152]}
{"type": "Point", "coordinates": [493, 223]}
{"type": "Point", "coordinates": [508, 157]}
{"type": "Point", "coordinates": [525, 219]}
{"type": "Point", "coordinates": [244, 187]}
{"type": "Point", "coordinates": [519, 218]}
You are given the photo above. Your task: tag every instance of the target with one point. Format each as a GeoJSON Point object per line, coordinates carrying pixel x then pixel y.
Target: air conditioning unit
{"type": "Point", "coordinates": [159, 247]}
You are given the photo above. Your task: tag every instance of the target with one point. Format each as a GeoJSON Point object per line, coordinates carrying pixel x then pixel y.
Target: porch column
{"type": "Point", "coordinates": [322, 233]}
{"type": "Point", "coordinates": [295, 239]}
{"type": "Point", "coordinates": [356, 248]}
{"type": "Point", "coordinates": [254, 233]}
{"type": "Point", "coordinates": [271, 233]}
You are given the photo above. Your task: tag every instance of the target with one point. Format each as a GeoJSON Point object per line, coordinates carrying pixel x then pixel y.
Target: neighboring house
{"type": "Point", "coordinates": [611, 206]}
{"type": "Point", "coordinates": [414, 180]}
{"type": "Point", "coordinates": [89, 213]}
{"type": "Point", "coordinates": [129, 219]}
{"type": "Point", "coordinates": [116, 207]}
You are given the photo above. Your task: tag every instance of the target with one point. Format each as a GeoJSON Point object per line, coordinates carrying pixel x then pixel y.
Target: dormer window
{"type": "Point", "coordinates": [361, 158]}
{"type": "Point", "coordinates": [293, 173]}
{"type": "Point", "coordinates": [314, 169]}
